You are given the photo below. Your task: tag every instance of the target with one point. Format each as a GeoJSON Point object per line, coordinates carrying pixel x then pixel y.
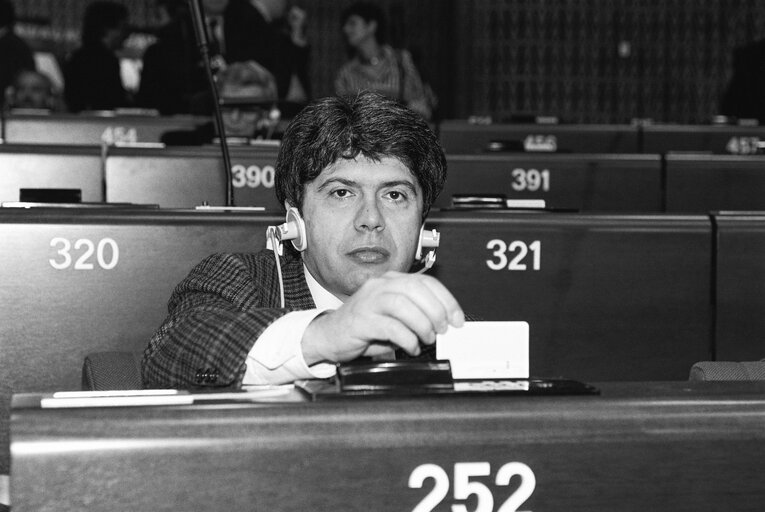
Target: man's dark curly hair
{"type": "Point", "coordinates": [367, 124]}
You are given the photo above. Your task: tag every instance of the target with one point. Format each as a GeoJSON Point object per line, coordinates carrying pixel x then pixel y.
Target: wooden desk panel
{"type": "Point", "coordinates": [607, 297]}
{"type": "Point", "coordinates": [75, 282]}
{"type": "Point", "coordinates": [51, 166]}
{"type": "Point", "coordinates": [617, 183]}
{"type": "Point", "coordinates": [740, 286]}
{"type": "Point", "coordinates": [91, 129]}
{"type": "Point", "coordinates": [186, 177]}
{"type": "Point", "coordinates": [670, 446]}
{"type": "Point", "coordinates": [461, 137]}
{"type": "Point", "coordinates": [717, 139]}
{"type": "Point", "coordinates": [704, 183]}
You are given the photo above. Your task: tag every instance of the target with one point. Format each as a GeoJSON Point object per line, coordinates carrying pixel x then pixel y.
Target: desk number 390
{"type": "Point", "coordinates": [519, 252]}
{"type": "Point", "coordinates": [464, 487]}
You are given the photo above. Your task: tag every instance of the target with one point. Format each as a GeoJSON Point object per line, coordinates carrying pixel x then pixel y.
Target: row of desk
{"type": "Point", "coordinates": [608, 297]}
{"type": "Point", "coordinates": [191, 176]}
{"type": "Point", "coordinates": [457, 136]}
{"type": "Point", "coordinates": [464, 137]}
{"type": "Point", "coordinates": [637, 447]}
{"type": "Point", "coordinates": [630, 297]}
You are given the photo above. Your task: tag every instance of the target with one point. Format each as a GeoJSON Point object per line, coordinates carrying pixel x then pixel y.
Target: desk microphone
{"type": "Point", "coordinates": [200, 32]}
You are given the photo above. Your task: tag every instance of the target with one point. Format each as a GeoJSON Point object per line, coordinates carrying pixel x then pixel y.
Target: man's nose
{"type": "Point", "coordinates": [369, 216]}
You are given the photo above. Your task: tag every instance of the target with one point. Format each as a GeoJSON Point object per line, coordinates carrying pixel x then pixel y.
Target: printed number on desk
{"type": "Point", "coordinates": [531, 180]}
{"type": "Point", "coordinates": [84, 254]}
{"type": "Point", "coordinates": [540, 143]}
{"type": "Point", "coordinates": [119, 134]}
{"type": "Point", "coordinates": [252, 176]}
{"type": "Point", "coordinates": [464, 487]}
{"type": "Point", "coordinates": [743, 145]}
{"type": "Point", "coordinates": [517, 255]}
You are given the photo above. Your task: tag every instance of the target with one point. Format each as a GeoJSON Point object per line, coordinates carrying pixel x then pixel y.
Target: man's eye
{"type": "Point", "coordinates": [396, 195]}
{"type": "Point", "coordinates": [340, 193]}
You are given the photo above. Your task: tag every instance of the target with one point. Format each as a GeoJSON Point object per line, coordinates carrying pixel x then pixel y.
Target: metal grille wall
{"type": "Point", "coordinates": [600, 60]}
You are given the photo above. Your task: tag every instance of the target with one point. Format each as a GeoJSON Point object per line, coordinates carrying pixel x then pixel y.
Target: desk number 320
{"type": "Point", "coordinates": [80, 254]}
{"type": "Point", "coordinates": [464, 487]}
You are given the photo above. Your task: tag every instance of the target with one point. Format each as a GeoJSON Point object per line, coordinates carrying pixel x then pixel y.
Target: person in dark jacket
{"type": "Point", "coordinates": [15, 54]}
{"type": "Point", "coordinates": [92, 78]}
{"type": "Point", "coordinates": [745, 94]}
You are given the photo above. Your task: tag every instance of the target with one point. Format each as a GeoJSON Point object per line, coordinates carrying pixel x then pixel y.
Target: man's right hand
{"type": "Point", "coordinates": [390, 311]}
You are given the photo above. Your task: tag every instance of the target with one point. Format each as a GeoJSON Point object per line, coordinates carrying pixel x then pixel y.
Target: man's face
{"type": "Point", "coordinates": [362, 219]}
{"type": "Point", "coordinates": [32, 91]}
{"type": "Point", "coordinates": [358, 30]}
{"type": "Point", "coordinates": [243, 121]}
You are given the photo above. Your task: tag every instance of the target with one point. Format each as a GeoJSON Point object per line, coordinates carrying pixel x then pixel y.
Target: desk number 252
{"type": "Point", "coordinates": [521, 255]}
{"type": "Point", "coordinates": [464, 487]}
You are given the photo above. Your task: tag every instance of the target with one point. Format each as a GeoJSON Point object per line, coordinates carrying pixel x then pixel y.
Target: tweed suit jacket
{"type": "Point", "coordinates": [215, 315]}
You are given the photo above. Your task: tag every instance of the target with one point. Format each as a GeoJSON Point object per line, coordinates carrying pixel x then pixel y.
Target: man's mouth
{"type": "Point", "coordinates": [369, 255]}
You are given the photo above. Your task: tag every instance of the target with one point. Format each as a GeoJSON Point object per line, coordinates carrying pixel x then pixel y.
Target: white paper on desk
{"type": "Point", "coordinates": [486, 350]}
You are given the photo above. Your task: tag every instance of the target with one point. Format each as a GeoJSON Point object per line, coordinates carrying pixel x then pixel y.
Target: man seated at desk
{"type": "Point", "coordinates": [363, 173]}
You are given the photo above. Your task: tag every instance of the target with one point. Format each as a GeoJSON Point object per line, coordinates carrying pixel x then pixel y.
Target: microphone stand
{"type": "Point", "coordinates": [202, 41]}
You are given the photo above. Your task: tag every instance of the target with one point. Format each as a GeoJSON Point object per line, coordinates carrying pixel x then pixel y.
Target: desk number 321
{"type": "Point", "coordinates": [521, 255]}
{"type": "Point", "coordinates": [464, 487]}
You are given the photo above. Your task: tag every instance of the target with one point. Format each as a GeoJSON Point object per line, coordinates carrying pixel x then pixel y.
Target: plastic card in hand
{"type": "Point", "coordinates": [486, 350]}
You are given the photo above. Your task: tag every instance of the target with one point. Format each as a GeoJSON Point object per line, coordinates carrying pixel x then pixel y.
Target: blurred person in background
{"type": "Point", "coordinates": [247, 92]}
{"type": "Point", "coordinates": [288, 50]}
{"type": "Point", "coordinates": [15, 53]}
{"type": "Point", "coordinates": [32, 90]}
{"type": "Point", "coordinates": [377, 66]}
{"type": "Point", "coordinates": [173, 78]}
{"type": "Point", "coordinates": [265, 31]}
{"type": "Point", "coordinates": [92, 78]}
{"type": "Point", "coordinates": [744, 97]}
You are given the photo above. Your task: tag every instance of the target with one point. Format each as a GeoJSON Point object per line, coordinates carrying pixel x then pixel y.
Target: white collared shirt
{"type": "Point", "coordinates": [277, 356]}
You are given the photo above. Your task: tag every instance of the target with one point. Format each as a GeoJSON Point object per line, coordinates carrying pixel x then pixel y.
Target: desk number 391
{"type": "Point", "coordinates": [464, 487]}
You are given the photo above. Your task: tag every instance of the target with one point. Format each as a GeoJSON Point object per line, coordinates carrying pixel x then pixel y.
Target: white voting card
{"type": "Point", "coordinates": [486, 350]}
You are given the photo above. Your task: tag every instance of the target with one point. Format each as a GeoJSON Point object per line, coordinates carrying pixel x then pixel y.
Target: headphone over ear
{"type": "Point", "coordinates": [293, 229]}
{"type": "Point", "coordinates": [429, 240]}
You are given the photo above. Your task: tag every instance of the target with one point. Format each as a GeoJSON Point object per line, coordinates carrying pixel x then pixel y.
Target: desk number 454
{"type": "Point", "coordinates": [464, 487]}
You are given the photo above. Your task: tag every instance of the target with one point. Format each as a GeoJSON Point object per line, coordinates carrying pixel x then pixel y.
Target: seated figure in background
{"type": "Point", "coordinates": [31, 90]}
{"type": "Point", "coordinates": [376, 66]}
{"type": "Point", "coordinates": [173, 79]}
{"type": "Point", "coordinates": [744, 96]}
{"type": "Point", "coordinates": [92, 73]}
{"type": "Point", "coordinates": [15, 53]}
{"type": "Point", "coordinates": [247, 92]}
